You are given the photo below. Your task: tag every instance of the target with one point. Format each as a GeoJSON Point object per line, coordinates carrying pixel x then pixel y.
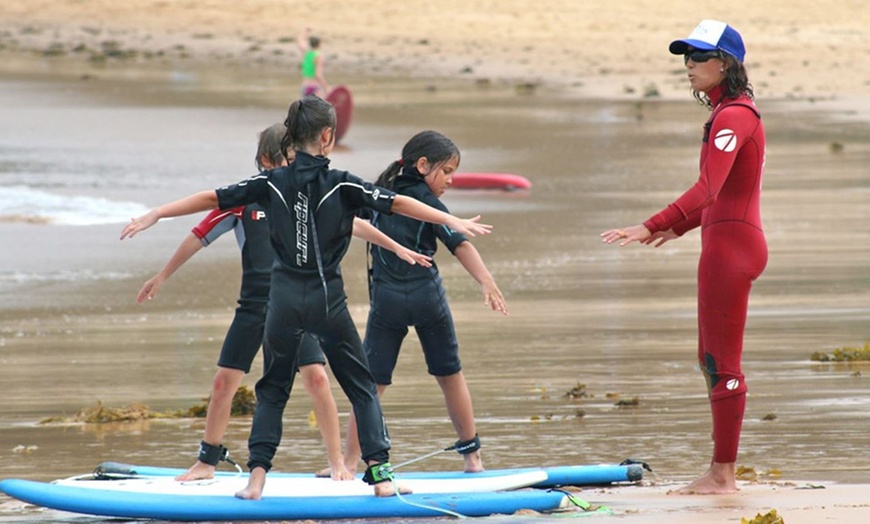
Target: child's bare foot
{"type": "Point", "coordinates": [254, 489]}
{"type": "Point", "coordinates": [473, 462]}
{"type": "Point", "coordinates": [340, 473]}
{"type": "Point", "coordinates": [388, 489]}
{"type": "Point", "coordinates": [198, 471]}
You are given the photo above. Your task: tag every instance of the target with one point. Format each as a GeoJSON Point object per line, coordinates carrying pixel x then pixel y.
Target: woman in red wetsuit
{"type": "Point", "coordinates": [725, 203]}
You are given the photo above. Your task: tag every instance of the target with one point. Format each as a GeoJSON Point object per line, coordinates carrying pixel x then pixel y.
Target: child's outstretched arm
{"type": "Point", "coordinates": [194, 203]}
{"type": "Point", "coordinates": [413, 208]}
{"type": "Point", "coordinates": [364, 230]}
{"type": "Point", "coordinates": [302, 39]}
{"type": "Point", "coordinates": [470, 259]}
{"type": "Point", "coordinates": [188, 247]}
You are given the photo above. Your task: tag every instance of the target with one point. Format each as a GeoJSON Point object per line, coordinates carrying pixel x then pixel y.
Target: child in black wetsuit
{"type": "Point", "coordinates": [311, 210]}
{"type": "Point", "coordinates": [245, 335]}
{"type": "Point", "coordinates": [404, 296]}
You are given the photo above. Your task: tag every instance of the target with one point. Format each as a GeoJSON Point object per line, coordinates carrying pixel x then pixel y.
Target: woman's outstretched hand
{"type": "Point", "coordinates": [660, 237]}
{"type": "Point", "coordinates": [626, 235]}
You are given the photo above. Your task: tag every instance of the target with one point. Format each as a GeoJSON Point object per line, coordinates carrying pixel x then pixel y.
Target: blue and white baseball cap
{"type": "Point", "coordinates": [710, 35]}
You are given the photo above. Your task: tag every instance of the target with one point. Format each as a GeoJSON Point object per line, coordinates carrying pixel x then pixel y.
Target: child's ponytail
{"type": "Point", "coordinates": [306, 117]}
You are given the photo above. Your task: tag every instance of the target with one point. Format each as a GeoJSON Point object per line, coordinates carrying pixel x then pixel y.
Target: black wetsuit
{"type": "Point", "coordinates": [245, 335]}
{"type": "Point", "coordinates": [311, 210]}
{"type": "Point", "coordinates": [403, 295]}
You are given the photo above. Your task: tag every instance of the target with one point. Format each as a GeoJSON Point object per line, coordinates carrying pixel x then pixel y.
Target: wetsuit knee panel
{"type": "Point", "coordinates": [721, 383]}
{"type": "Point", "coordinates": [728, 387]}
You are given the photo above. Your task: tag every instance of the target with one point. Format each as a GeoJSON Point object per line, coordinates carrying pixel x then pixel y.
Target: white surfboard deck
{"type": "Point", "coordinates": [302, 487]}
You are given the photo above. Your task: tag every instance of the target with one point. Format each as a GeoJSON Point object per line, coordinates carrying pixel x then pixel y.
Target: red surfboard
{"type": "Point", "coordinates": [342, 100]}
{"type": "Point", "coordinates": [503, 181]}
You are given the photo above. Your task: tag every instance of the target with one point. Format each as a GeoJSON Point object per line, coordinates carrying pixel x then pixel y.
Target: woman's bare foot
{"type": "Point", "coordinates": [388, 489]}
{"type": "Point", "coordinates": [720, 479]}
{"type": "Point", "coordinates": [198, 471]}
{"type": "Point", "coordinates": [473, 462]}
{"type": "Point", "coordinates": [254, 489]}
{"type": "Point", "coordinates": [324, 473]}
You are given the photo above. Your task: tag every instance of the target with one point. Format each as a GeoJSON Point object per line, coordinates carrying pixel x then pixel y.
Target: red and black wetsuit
{"type": "Point", "coordinates": [725, 202]}
{"type": "Point", "coordinates": [245, 335]}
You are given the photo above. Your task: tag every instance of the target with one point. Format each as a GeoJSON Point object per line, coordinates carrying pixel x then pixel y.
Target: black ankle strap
{"type": "Point", "coordinates": [377, 473]}
{"type": "Point", "coordinates": [211, 454]}
{"type": "Point", "coordinates": [464, 447]}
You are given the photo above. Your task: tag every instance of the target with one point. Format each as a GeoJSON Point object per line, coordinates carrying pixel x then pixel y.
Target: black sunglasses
{"type": "Point", "coordinates": [699, 57]}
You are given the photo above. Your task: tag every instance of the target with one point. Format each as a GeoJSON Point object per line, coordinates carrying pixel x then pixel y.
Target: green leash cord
{"type": "Point", "coordinates": [587, 508]}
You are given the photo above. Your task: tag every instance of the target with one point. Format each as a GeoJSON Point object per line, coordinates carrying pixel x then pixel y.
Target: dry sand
{"type": "Point", "coordinates": [800, 49]}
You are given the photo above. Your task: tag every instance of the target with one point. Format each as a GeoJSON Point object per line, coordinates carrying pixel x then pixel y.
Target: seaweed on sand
{"type": "Point", "coordinates": [844, 354]}
{"type": "Point", "coordinates": [244, 402]}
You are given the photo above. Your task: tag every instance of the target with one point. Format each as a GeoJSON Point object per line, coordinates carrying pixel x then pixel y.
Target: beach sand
{"type": "Point", "coordinates": [808, 51]}
{"type": "Point", "coordinates": [796, 49]}
{"type": "Point", "coordinates": [796, 503]}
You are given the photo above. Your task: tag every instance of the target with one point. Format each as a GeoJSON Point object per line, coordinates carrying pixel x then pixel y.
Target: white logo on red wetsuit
{"type": "Point", "coordinates": [726, 140]}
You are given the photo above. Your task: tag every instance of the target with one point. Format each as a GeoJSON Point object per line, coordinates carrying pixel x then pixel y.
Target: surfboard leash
{"type": "Point", "coordinates": [463, 447]}
{"type": "Point", "coordinates": [584, 506]}
{"type": "Point", "coordinates": [423, 457]}
{"type": "Point", "coordinates": [425, 506]}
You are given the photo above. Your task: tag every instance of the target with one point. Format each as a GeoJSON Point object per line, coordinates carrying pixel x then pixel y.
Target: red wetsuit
{"type": "Point", "coordinates": [725, 202]}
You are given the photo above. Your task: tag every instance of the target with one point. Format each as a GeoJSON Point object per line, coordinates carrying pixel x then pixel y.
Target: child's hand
{"type": "Point", "coordinates": [149, 289]}
{"type": "Point", "coordinates": [493, 298]}
{"type": "Point", "coordinates": [138, 224]}
{"type": "Point", "coordinates": [470, 227]}
{"type": "Point", "coordinates": [412, 257]}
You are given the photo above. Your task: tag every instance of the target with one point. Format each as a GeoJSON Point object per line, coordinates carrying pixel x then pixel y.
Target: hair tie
{"type": "Point", "coordinates": [401, 162]}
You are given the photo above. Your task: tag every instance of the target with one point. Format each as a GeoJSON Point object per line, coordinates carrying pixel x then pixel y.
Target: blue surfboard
{"type": "Point", "coordinates": [131, 504]}
{"type": "Point", "coordinates": [581, 475]}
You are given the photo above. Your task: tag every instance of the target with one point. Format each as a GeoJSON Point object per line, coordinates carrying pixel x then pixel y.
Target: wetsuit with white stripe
{"type": "Point", "coordinates": [725, 202]}
{"type": "Point", "coordinates": [311, 210]}
{"type": "Point", "coordinates": [405, 295]}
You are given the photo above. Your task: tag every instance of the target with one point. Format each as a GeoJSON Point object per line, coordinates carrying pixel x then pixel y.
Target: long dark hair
{"type": "Point", "coordinates": [269, 147]}
{"type": "Point", "coordinates": [735, 84]}
{"type": "Point", "coordinates": [306, 118]}
{"type": "Point", "coordinates": [432, 145]}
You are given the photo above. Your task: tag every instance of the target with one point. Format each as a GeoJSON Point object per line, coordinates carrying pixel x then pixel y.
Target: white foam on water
{"type": "Point", "coordinates": [22, 203]}
{"type": "Point", "coordinates": [82, 275]}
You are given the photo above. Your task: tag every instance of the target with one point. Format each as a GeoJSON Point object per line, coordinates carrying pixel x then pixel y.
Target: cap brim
{"type": "Point", "coordinates": [679, 47]}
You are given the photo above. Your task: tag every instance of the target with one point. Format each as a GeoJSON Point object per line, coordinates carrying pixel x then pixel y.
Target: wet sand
{"type": "Point", "coordinates": [621, 322]}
